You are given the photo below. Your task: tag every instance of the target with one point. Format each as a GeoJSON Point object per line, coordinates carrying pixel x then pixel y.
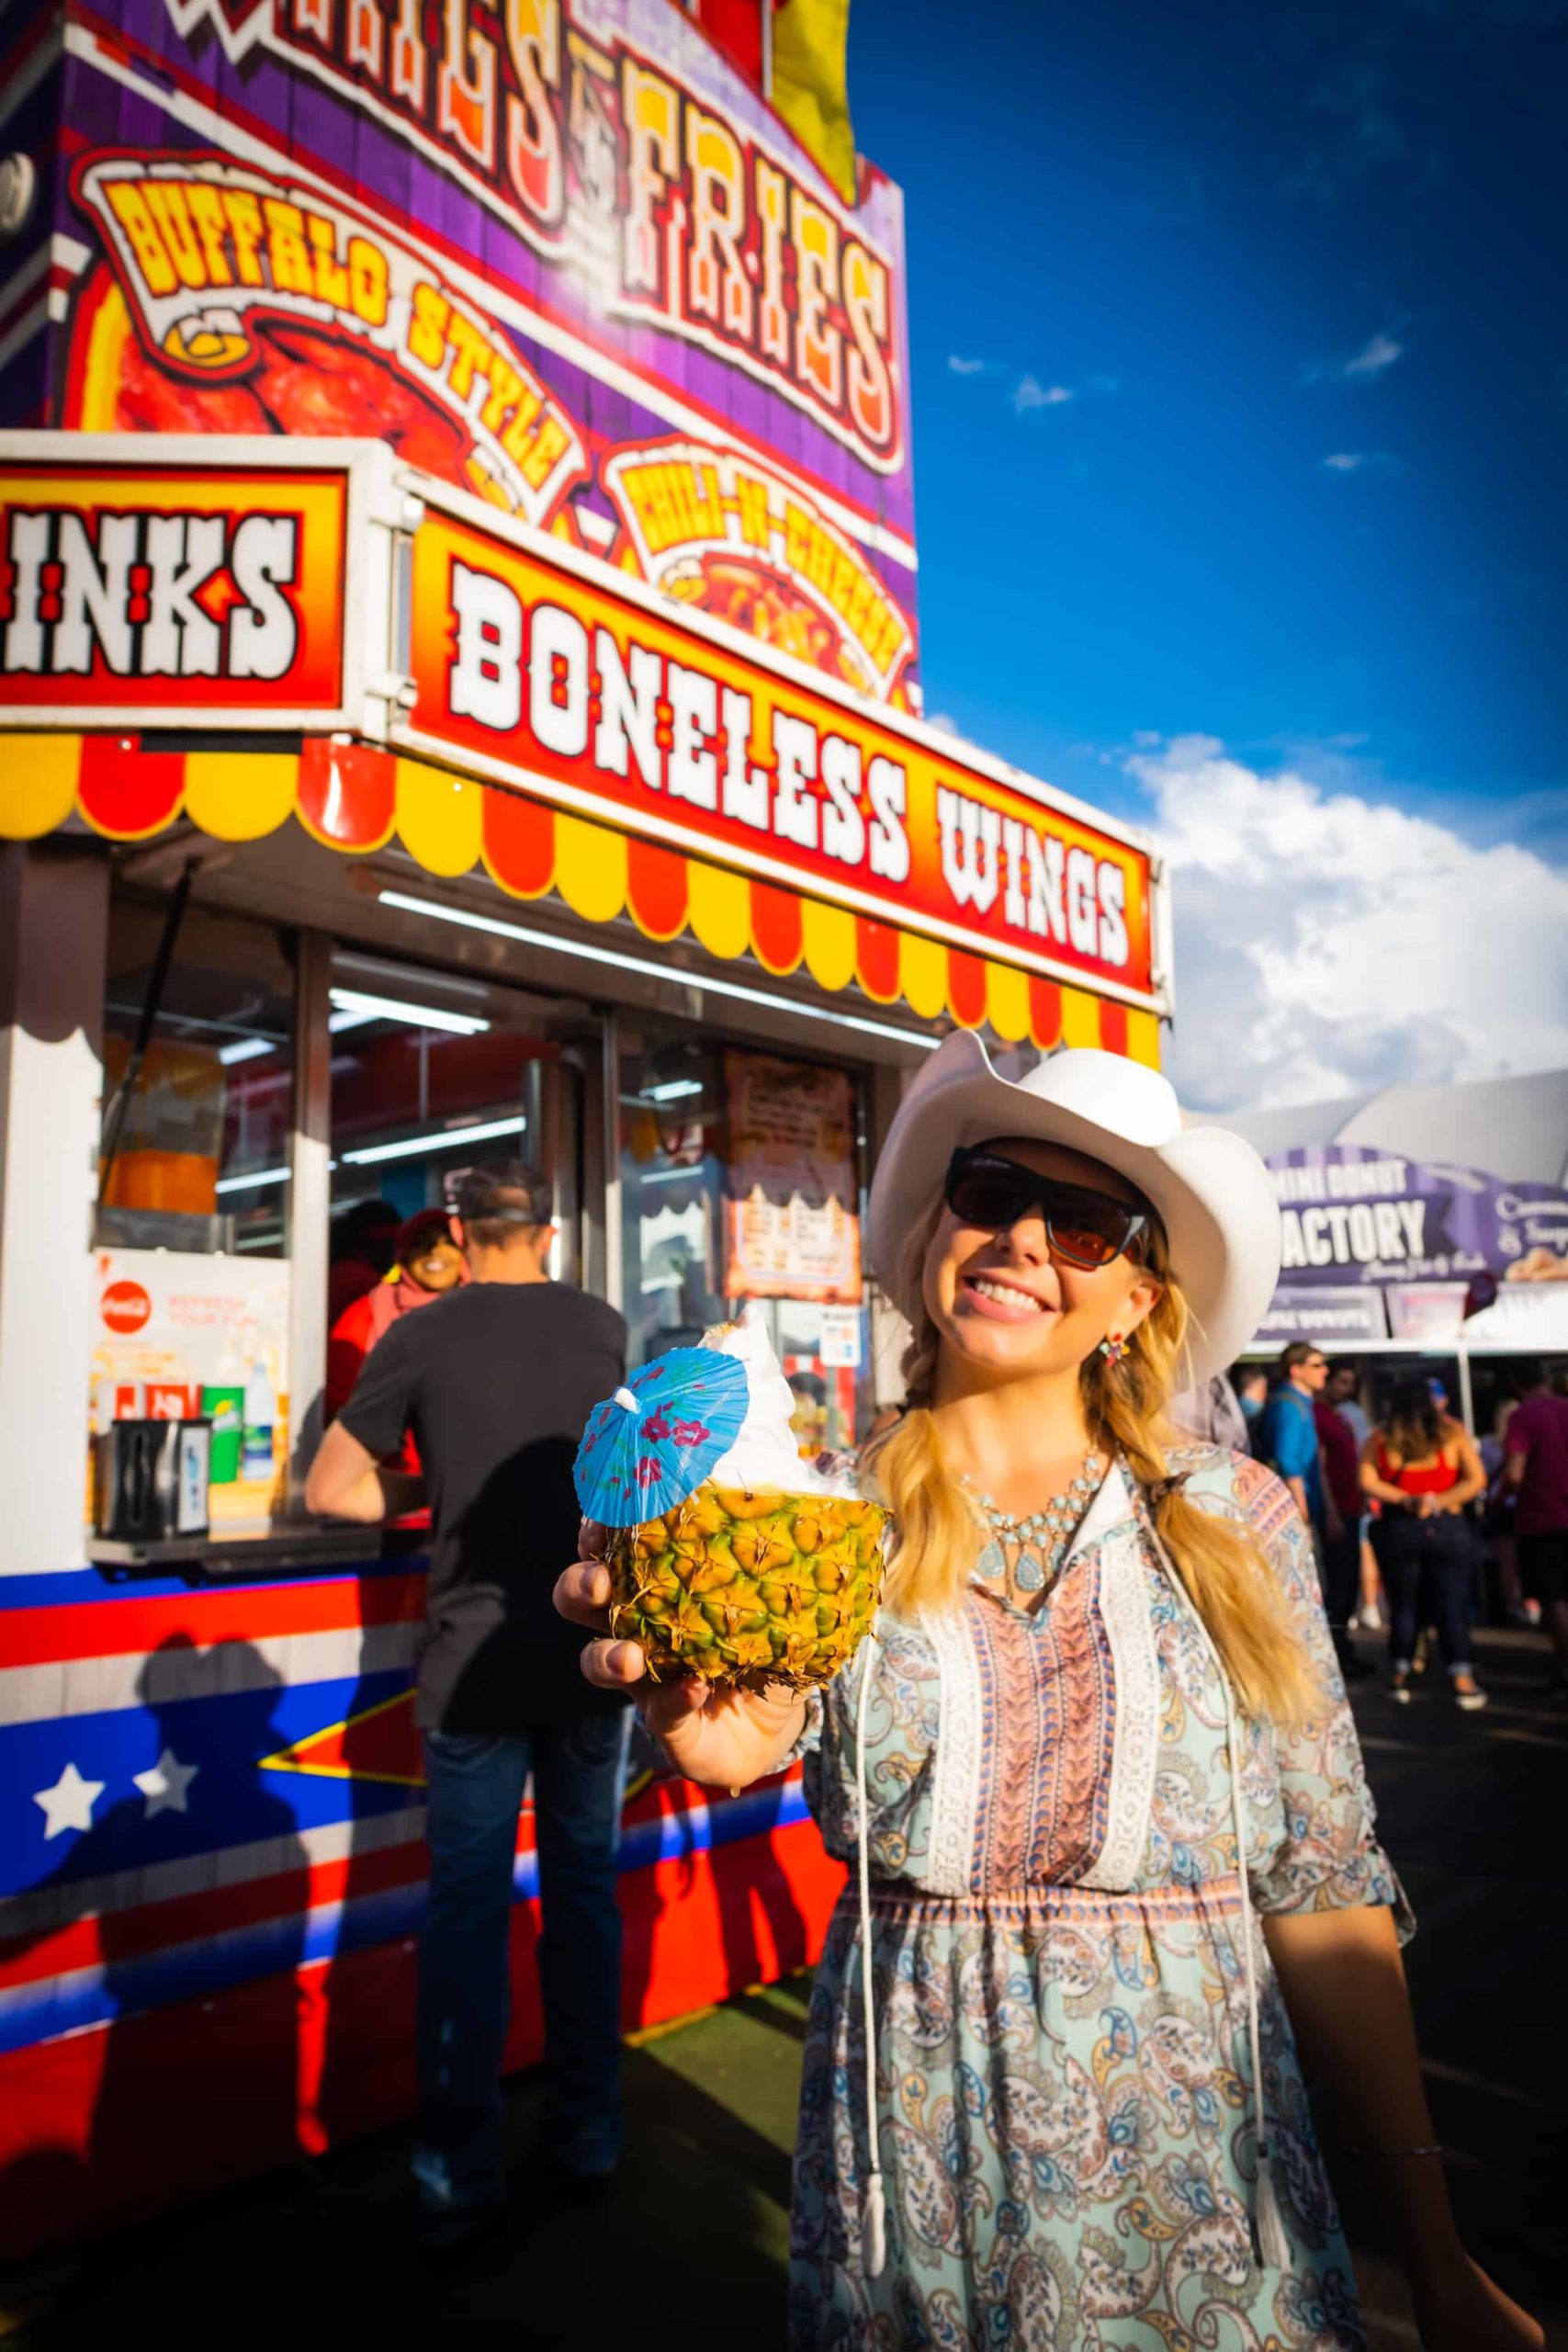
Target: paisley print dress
{"type": "Point", "coordinates": [1063, 2087]}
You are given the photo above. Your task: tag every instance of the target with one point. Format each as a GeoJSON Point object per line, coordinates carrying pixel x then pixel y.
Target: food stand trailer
{"type": "Point", "coordinates": [460, 692]}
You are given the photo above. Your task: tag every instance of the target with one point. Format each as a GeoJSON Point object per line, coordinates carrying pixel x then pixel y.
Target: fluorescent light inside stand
{"type": "Point", "coordinates": [253, 1181]}
{"type": "Point", "coordinates": [435, 1139]}
{"type": "Point", "coordinates": [391, 1008]}
{"type": "Point", "coordinates": [650, 971]}
{"type": "Point", "coordinates": [245, 1049]}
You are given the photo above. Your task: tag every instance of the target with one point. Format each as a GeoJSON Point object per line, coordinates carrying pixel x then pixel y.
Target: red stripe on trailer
{"type": "Point", "coordinates": [347, 794]}
{"type": "Point", "coordinates": [776, 927]}
{"type": "Point", "coordinates": [121, 1935]}
{"type": "Point", "coordinates": [877, 956]}
{"type": "Point", "coordinates": [126, 792]}
{"type": "Point", "coordinates": [246, 1612]}
{"type": "Point", "coordinates": [656, 888]}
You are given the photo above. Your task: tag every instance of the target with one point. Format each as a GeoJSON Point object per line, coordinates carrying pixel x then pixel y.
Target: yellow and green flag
{"type": "Point", "coordinates": [810, 87]}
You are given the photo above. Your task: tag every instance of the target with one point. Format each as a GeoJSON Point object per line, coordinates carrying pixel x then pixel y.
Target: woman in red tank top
{"type": "Point", "coordinates": [1436, 1477]}
{"type": "Point", "coordinates": [1423, 1468]}
{"type": "Point", "coordinates": [428, 1264]}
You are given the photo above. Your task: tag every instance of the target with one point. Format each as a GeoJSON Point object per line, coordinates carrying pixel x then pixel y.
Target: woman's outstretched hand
{"type": "Point", "coordinates": [724, 1738]}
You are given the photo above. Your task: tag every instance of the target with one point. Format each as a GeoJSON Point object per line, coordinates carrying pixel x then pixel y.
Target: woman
{"type": "Point", "coordinates": [427, 1264]}
{"type": "Point", "coordinates": [1080, 2123]}
{"type": "Point", "coordinates": [1422, 1466]}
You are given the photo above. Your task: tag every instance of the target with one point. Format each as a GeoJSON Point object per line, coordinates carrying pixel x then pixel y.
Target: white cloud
{"type": "Point", "coordinates": [1356, 461]}
{"type": "Point", "coordinates": [1379, 351]}
{"type": "Point", "coordinates": [1364, 367]}
{"type": "Point", "coordinates": [1330, 943]}
{"type": "Point", "coordinates": [944, 722]}
{"type": "Point", "coordinates": [1031, 393]}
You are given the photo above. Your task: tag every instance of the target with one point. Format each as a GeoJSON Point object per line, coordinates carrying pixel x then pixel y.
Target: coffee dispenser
{"type": "Point", "coordinates": [151, 1481]}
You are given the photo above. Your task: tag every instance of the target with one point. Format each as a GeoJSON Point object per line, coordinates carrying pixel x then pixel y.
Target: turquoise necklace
{"type": "Point", "coordinates": [1042, 1537]}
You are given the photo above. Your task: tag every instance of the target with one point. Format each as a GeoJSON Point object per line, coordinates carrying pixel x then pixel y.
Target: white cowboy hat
{"type": "Point", "coordinates": [1215, 1198]}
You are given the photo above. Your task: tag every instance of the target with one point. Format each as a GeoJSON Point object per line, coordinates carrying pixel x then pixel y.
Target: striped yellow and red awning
{"type": "Point", "coordinates": [354, 797]}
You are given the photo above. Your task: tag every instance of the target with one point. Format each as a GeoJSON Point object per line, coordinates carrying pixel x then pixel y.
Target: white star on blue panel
{"type": "Point", "coordinates": [69, 1804]}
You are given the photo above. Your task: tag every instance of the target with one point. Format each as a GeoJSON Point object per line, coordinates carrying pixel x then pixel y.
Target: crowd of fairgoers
{"type": "Point", "coordinates": [1421, 1529]}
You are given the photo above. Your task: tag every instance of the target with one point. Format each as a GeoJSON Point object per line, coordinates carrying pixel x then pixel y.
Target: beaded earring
{"type": "Point", "coordinates": [1114, 1347]}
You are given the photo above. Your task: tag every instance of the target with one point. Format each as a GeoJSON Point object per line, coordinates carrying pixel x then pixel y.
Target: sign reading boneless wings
{"type": "Point", "coordinates": [537, 669]}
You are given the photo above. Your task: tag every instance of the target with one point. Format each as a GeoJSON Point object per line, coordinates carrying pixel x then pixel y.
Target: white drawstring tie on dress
{"type": "Point", "coordinates": [874, 2222]}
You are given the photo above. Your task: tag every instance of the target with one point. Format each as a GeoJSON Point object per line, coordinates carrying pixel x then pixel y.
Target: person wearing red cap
{"type": "Point", "coordinates": [428, 1263]}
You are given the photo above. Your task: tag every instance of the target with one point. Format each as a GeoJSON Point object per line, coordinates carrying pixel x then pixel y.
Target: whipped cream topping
{"type": "Point", "coordinates": [765, 1456]}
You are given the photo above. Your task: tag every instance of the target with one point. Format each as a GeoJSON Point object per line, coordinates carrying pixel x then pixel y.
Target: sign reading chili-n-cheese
{"type": "Point", "coordinates": [530, 671]}
{"type": "Point", "coordinates": [141, 588]}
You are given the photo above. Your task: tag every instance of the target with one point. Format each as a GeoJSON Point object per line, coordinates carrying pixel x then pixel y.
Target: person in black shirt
{"type": "Point", "coordinates": [495, 1382]}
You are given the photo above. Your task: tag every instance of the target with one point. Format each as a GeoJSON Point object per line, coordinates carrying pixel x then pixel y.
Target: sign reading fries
{"type": "Point", "coordinates": [572, 124]}
{"type": "Point", "coordinates": [531, 669]}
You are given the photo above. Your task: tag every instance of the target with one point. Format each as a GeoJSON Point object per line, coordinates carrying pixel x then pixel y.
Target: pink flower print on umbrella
{"type": "Point", "coordinates": [654, 1442]}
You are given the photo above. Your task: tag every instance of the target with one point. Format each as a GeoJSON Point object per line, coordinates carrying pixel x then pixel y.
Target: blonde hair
{"type": "Point", "coordinates": [1219, 1559]}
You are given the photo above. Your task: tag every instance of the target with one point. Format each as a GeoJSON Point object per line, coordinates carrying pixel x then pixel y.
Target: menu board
{"type": "Point", "coordinates": [792, 1208]}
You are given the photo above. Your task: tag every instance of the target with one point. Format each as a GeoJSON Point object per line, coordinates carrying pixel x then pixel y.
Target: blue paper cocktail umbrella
{"type": "Point", "coordinates": [654, 1442]}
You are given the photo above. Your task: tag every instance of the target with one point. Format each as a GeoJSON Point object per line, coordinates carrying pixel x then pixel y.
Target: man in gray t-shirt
{"type": "Point", "coordinates": [494, 1383]}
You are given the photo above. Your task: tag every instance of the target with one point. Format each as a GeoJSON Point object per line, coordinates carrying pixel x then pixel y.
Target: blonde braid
{"type": "Point", "coordinates": [938, 1537]}
{"type": "Point", "coordinates": [1219, 1559]}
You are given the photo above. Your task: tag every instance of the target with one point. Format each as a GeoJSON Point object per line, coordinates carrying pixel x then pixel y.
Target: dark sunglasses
{"type": "Point", "coordinates": [1086, 1228]}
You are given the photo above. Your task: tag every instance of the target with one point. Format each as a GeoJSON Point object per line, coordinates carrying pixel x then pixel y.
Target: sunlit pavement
{"type": "Point", "coordinates": [691, 2240]}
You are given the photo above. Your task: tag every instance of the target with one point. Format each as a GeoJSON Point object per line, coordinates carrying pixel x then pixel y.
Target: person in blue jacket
{"type": "Point", "coordinates": [1289, 1442]}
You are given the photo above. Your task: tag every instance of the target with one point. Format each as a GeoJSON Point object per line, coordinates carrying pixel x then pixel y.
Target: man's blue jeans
{"type": "Point", "coordinates": [476, 1790]}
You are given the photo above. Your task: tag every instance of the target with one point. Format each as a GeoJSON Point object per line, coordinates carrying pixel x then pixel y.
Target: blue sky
{"type": "Point", "coordinates": [1240, 388]}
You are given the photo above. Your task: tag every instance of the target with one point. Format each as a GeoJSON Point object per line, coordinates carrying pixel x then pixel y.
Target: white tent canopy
{"type": "Point", "coordinates": [1515, 1127]}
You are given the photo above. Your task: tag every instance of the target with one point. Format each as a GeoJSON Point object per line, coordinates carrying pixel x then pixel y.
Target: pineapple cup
{"type": "Point", "coordinates": [748, 1587]}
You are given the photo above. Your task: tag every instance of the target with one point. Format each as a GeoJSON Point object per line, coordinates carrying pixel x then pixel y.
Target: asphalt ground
{"type": "Point", "coordinates": [691, 2243]}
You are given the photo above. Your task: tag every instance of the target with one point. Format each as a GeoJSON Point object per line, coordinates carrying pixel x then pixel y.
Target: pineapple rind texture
{"type": "Point", "coordinates": [748, 1587]}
